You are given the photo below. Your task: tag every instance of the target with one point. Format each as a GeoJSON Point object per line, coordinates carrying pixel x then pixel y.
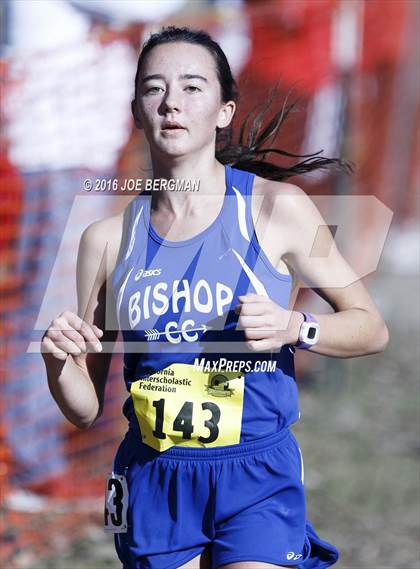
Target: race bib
{"type": "Point", "coordinates": [181, 405]}
{"type": "Point", "coordinates": [116, 503]}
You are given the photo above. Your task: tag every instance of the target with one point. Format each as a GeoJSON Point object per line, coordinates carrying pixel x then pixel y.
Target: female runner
{"type": "Point", "coordinates": [209, 473]}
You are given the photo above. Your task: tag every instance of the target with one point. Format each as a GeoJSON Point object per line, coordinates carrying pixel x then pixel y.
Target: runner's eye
{"type": "Point", "coordinates": [153, 89]}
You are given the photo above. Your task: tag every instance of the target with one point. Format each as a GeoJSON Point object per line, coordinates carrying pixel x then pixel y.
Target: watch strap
{"type": "Point", "coordinates": [307, 317]}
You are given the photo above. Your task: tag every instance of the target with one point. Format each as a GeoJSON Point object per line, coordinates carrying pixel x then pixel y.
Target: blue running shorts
{"type": "Point", "coordinates": [247, 500]}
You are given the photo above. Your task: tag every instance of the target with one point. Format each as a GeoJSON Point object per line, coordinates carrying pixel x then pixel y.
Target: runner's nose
{"type": "Point", "coordinates": [171, 101]}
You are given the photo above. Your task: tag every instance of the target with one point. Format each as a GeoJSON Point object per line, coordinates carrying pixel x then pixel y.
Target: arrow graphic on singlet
{"type": "Point", "coordinates": [154, 334]}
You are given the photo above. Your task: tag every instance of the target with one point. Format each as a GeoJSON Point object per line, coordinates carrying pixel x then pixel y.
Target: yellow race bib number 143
{"type": "Point", "coordinates": [181, 405]}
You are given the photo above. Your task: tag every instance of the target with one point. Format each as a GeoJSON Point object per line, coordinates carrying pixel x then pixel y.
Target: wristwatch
{"type": "Point", "coordinates": [308, 333]}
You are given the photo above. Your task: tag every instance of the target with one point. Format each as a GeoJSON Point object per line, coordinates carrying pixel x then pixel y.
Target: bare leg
{"type": "Point", "coordinates": [252, 565]}
{"type": "Point", "coordinates": [202, 561]}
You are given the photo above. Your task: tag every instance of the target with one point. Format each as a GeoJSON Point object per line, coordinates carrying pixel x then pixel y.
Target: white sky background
{"type": "Point", "coordinates": [70, 105]}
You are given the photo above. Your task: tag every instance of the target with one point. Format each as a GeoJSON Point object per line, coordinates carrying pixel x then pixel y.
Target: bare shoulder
{"type": "Point", "coordinates": [289, 196]}
{"type": "Point", "coordinates": [288, 205]}
{"type": "Point", "coordinates": [273, 208]}
{"type": "Point", "coordinates": [102, 236]}
{"type": "Point", "coordinates": [281, 208]}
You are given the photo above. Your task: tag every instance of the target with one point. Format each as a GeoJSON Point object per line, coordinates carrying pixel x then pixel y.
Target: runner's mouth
{"type": "Point", "coordinates": [172, 130]}
{"type": "Point", "coordinates": [172, 126]}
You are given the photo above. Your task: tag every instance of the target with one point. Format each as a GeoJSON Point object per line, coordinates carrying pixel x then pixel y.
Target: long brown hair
{"type": "Point", "coordinates": [250, 150]}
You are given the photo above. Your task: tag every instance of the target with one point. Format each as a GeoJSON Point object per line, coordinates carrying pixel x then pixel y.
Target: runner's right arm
{"type": "Point", "coordinates": [76, 371]}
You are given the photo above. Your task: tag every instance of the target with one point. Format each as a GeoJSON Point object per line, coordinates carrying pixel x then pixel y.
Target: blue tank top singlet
{"type": "Point", "coordinates": [175, 303]}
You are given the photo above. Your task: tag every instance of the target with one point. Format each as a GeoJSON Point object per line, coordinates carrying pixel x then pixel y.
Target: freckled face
{"type": "Point", "coordinates": [178, 83]}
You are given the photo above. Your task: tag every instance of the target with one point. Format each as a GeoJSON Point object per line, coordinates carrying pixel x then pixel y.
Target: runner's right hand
{"type": "Point", "coordinates": [69, 334]}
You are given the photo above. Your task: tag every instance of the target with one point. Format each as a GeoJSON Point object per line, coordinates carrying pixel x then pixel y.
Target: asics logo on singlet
{"type": "Point", "coordinates": [292, 555]}
{"type": "Point", "coordinates": [141, 274]}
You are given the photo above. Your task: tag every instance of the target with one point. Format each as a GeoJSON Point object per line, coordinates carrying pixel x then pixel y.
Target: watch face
{"type": "Point", "coordinates": [311, 333]}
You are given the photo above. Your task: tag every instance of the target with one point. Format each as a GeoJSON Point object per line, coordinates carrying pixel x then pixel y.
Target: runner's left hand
{"type": "Point", "coordinates": [266, 325]}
